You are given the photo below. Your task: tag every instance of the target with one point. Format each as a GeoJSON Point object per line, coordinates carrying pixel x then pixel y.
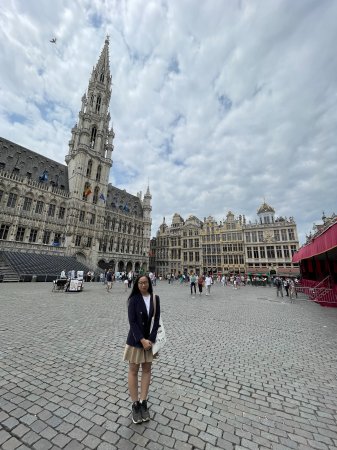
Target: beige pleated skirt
{"type": "Point", "coordinates": [137, 355]}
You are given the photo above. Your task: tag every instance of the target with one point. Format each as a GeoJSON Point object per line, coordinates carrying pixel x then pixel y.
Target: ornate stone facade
{"type": "Point", "coordinates": [47, 207]}
{"type": "Point", "coordinates": [229, 246]}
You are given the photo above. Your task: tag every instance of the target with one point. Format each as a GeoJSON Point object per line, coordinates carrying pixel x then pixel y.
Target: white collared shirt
{"type": "Point", "coordinates": [147, 303]}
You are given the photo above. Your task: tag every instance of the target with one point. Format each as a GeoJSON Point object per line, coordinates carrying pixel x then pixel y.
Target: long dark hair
{"type": "Point", "coordinates": [135, 287]}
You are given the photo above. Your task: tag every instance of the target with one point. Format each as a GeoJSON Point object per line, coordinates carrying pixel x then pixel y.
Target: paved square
{"type": "Point", "coordinates": [242, 369]}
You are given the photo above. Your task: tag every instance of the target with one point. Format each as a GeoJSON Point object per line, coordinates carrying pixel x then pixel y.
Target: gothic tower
{"type": "Point", "coordinates": [90, 147]}
{"type": "Point", "coordinates": [147, 208]}
{"type": "Point", "coordinates": [89, 161]}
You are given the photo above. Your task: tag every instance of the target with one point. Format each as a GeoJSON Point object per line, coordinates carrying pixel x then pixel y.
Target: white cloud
{"type": "Point", "coordinates": [219, 105]}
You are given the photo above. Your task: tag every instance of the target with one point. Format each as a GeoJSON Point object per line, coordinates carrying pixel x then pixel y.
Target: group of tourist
{"type": "Point", "coordinates": [288, 284]}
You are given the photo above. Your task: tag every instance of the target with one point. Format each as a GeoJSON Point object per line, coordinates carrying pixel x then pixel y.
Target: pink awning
{"type": "Point", "coordinates": [322, 243]}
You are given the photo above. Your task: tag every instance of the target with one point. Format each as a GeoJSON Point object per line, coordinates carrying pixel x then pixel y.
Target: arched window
{"type": "Point", "coordinates": [123, 245]}
{"type": "Point", "coordinates": [92, 100]}
{"type": "Point", "coordinates": [89, 168]}
{"type": "Point", "coordinates": [93, 137]}
{"type": "Point", "coordinates": [113, 223]}
{"type": "Point", "coordinates": [95, 197]}
{"type": "Point", "coordinates": [98, 174]}
{"type": "Point", "coordinates": [111, 244]}
{"type": "Point", "coordinates": [124, 227]}
{"type": "Point", "coordinates": [98, 104]}
{"type": "Point", "coordinates": [129, 228]}
{"type": "Point", "coordinates": [107, 222]}
{"type": "Point", "coordinates": [101, 78]}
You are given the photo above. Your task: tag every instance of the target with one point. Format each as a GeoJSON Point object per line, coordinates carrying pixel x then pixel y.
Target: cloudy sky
{"type": "Point", "coordinates": [220, 104]}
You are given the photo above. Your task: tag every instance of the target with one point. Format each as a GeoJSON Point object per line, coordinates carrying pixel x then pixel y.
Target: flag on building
{"type": "Point", "coordinates": [87, 190]}
{"type": "Point", "coordinates": [101, 196]}
{"type": "Point", "coordinates": [44, 176]}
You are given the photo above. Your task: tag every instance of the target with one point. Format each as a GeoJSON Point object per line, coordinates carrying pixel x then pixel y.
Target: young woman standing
{"type": "Point", "coordinates": [138, 349]}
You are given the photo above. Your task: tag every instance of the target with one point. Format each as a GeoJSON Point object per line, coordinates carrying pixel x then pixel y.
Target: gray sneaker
{"type": "Point", "coordinates": [144, 411]}
{"type": "Point", "coordinates": [136, 413]}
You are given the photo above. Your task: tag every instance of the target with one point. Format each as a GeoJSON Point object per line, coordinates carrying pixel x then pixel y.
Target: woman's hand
{"type": "Point", "coordinates": [147, 345]}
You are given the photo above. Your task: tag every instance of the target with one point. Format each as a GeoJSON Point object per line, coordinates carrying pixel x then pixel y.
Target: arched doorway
{"type": "Point", "coordinates": [137, 267]}
{"type": "Point", "coordinates": [112, 264]}
{"type": "Point", "coordinates": [129, 267]}
{"type": "Point", "coordinates": [102, 264]}
{"type": "Point", "coordinates": [121, 266]}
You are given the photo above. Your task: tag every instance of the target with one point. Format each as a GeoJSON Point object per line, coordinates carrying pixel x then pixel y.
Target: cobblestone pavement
{"type": "Point", "coordinates": [243, 369]}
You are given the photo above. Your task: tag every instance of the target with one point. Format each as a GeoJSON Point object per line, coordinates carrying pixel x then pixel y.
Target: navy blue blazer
{"type": "Point", "coordinates": [140, 321]}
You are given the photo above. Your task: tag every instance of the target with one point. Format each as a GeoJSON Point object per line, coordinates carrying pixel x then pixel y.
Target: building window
{"type": "Point", "coordinates": [185, 256]}
{"type": "Point", "coordinates": [62, 212]}
{"type": "Point", "coordinates": [284, 234]}
{"type": "Point", "coordinates": [57, 238]}
{"type": "Point", "coordinates": [92, 219]}
{"type": "Point", "coordinates": [293, 249]}
{"type": "Point", "coordinates": [93, 137]}
{"type": "Point", "coordinates": [51, 210]}
{"type": "Point", "coordinates": [98, 174]}
{"type": "Point", "coordinates": [12, 198]}
{"type": "Point", "coordinates": [89, 241]}
{"type": "Point", "coordinates": [98, 104]}
{"type": "Point", "coordinates": [266, 219]}
{"type": "Point", "coordinates": [89, 167]}
{"type": "Point", "coordinates": [260, 236]}
{"type": "Point", "coordinates": [241, 260]}
{"type": "Point", "coordinates": [184, 243]}
{"type": "Point", "coordinates": [27, 204]}
{"type": "Point", "coordinates": [196, 243]}
{"type": "Point", "coordinates": [291, 234]}
{"type": "Point", "coordinates": [256, 252]}
{"type": "Point", "coordinates": [286, 251]}
{"type": "Point", "coordinates": [277, 235]}
{"type": "Point", "coordinates": [254, 236]}
{"type": "Point", "coordinates": [78, 240]}
{"type": "Point", "coordinates": [262, 252]}
{"type": "Point", "coordinates": [20, 233]}
{"type": "Point", "coordinates": [249, 252]}
{"type": "Point", "coordinates": [270, 252]}
{"type": "Point", "coordinates": [81, 216]}
{"type": "Point", "coordinates": [39, 207]}
{"type": "Point", "coordinates": [101, 78]}
{"type": "Point", "coordinates": [95, 197]}
{"type": "Point", "coordinates": [4, 229]}
{"type": "Point", "coordinates": [46, 237]}
{"type": "Point", "coordinates": [111, 244]}
{"type": "Point", "coordinates": [278, 251]}
{"type": "Point", "coordinates": [33, 235]}
{"type": "Point", "coordinates": [247, 237]}
{"type": "Point", "coordinates": [2, 166]}
{"type": "Point", "coordinates": [190, 255]}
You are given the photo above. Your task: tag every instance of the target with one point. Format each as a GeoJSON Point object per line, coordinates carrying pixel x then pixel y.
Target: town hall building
{"type": "Point", "coordinates": [72, 210]}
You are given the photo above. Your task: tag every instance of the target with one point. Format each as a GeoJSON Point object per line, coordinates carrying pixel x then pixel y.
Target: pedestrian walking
{"type": "Point", "coordinates": [279, 288]}
{"type": "Point", "coordinates": [208, 282]}
{"type": "Point", "coordinates": [200, 283]}
{"type": "Point", "coordinates": [109, 278]}
{"type": "Point", "coordinates": [138, 349]}
{"type": "Point", "coordinates": [193, 280]}
{"type": "Point", "coordinates": [292, 290]}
